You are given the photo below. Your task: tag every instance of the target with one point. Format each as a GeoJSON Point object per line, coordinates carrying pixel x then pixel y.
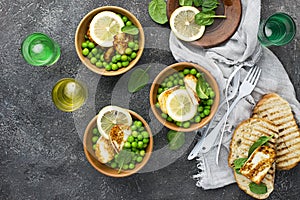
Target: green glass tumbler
{"type": "Point", "coordinates": [38, 49]}
{"type": "Point", "coordinates": [278, 29]}
{"type": "Point", "coordinates": [69, 94]}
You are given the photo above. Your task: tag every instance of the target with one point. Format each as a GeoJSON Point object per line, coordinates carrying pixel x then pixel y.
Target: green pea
{"type": "Point", "coordinates": [134, 144]}
{"type": "Point", "coordinates": [94, 51]}
{"type": "Point", "coordinates": [175, 82]}
{"type": "Point", "coordinates": [202, 115]}
{"type": "Point", "coordinates": [209, 102]}
{"type": "Point", "coordinates": [180, 82]}
{"type": "Point", "coordinates": [98, 55]}
{"type": "Point", "coordinates": [91, 45]}
{"type": "Point", "coordinates": [133, 55]}
{"type": "Point", "coordinates": [125, 19]}
{"type": "Point", "coordinates": [104, 64]}
{"type": "Point", "coordinates": [169, 84]}
{"type": "Point", "coordinates": [116, 156]}
{"type": "Point", "coordinates": [124, 57]}
{"type": "Point", "coordinates": [181, 74]}
{"type": "Point", "coordinates": [157, 105]}
{"type": "Point", "coordinates": [130, 138]}
{"type": "Point", "coordinates": [145, 134]}
{"type": "Point", "coordinates": [128, 23]}
{"type": "Point", "coordinates": [186, 71]}
{"type": "Point", "coordinates": [131, 166]}
{"type": "Point", "coordinates": [127, 144]}
{"type": "Point", "coordinates": [119, 64]}
{"type": "Point", "coordinates": [197, 119]}
{"type": "Point", "coordinates": [200, 108]}
{"type": "Point", "coordinates": [140, 144]}
{"type": "Point", "coordinates": [125, 167]}
{"type": "Point", "coordinates": [102, 57]}
{"type": "Point", "coordinates": [138, 124]}
{"type": "Point", "coordinates": [175, 75]}
{"type": "Point", "coordinates": [95, 131]}
{"type": "Point", "coordinates": [212, 94]}
{"type": "Point", "coordinates": [178, 124]}
{"type": "Point", "coordinates": [113, 165]}
{"type": "Point", "coordinates": [94, 147]}
{"type": "Point", "coordinates": [193, 71]}
{"type": "Point", "coordinates": [142, 153]}
{"type": "Point", "coordinates": [85, 51]}
{"type": "Point", "coordinates": [207, 107]}
{"type": "Point", "coordinates": [128, 51]}
{"type": "Point", "coordinates": [139, 159]}
{"type": "Point", "coordinates": [186, 124]}
{"type": "Point", "coordinates": [164, 115]}
{"type": "Point", "coordinates": [171, 78]}
{"type": "Point", "coordinates": [114, 67]}
{"type": "Point", "coordinates": [145, 140]}
{"type": "Point", "coordinates": [160, 90]}
{"type": "Point", "coordinates": [94, 139]}
{"type": "Point", "coordinates": [140, 137]}
{"type": "Point", "coordinates": [125, 63]}
{"type": "Point", "coordinates": [118, 57]}
{"type": "Point", "coordinates": [84, 45]}
{"type": "Point", "coordinates": [134, 133]}
{"type": "Point", "coordinates": [108, 67]}
{"type": "Point", "coordinates": [206, 112]}
{"type": "Point", "coordinates": [169, 119]}
{"type": "Point", "coordinates": [129, 58]}
{"type": "Point", "coordinates": [99, 64]}
{"type": "Point", "coordinates": [133, 127]}
{"type": "Point", "coordinates": [141, 129]}
{"type": "Point", "coordinates": [131, 44]}
{"type": "Point", "coordinates": [93, 60]}
{"type": "Point", "coordinates": [198, 75]}
{"type": "Point", "coordinates": [136, 47]}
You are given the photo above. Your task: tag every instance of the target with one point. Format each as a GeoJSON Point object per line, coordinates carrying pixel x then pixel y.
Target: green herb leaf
{"type": "Point", "coordinates": [138, 79]}
{"type": "Point", "coordinates": [261, 141]}
{"type": "Point", "coordinates": [124, 157]}
{"type": "Point", "coordinates": [198, 3]}
{"type": "Point", "coordinates": [206, 18]}
{"type": "Point", "coordinates": [131, 29]}
{"type": "Point", "coordinates": [201, 88]}
{"type": "Point", "coordinates": [175, 139]}
{"type": "Point", "coordinates": [258, 188]}
{"type": "Point", "coordinates": [158, 11]}
{"type": "Point", "coordinates": [186, 2]}
{"type": "Point", "coordinates": [238, 163]}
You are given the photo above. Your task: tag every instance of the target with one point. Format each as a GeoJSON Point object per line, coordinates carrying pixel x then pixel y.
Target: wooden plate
{"type": "Point", "coordinates": [222, 29]}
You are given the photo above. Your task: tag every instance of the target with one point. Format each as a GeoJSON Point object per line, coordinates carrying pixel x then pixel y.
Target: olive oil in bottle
{"type": "Point", "coordinates": [68, 94]}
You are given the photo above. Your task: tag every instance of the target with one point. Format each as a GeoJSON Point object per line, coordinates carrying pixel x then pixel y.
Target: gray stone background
{"type": "Point", "coordinates": [41, 153]}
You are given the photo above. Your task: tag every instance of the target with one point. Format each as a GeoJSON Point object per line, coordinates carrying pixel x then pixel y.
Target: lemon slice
{"type": "Point", "coordinates": [183, 25]}
{"type": "Point", "coordinates": [180, 106]}
{"type": "Point", "coordinates": [104, 26]}
{"type": "Point", "coordinates": [110, 116]}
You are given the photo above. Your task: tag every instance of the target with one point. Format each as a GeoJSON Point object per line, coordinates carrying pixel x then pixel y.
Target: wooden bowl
{"type": "Point", "coordinates": [82, 30]}
{"type": "Point", "coordinates": [105, 169]}
{"type": "Point", "coordinates": [170, 70]}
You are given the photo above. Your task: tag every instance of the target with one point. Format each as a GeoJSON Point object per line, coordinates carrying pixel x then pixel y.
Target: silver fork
{"type": "Point", "coordinates": [231, 95]}
{"type": "Point", "coordinates": [245, 89]}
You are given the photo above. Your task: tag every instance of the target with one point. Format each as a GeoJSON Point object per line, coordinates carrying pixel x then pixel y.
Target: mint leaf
{"type": "Point", "coordinates": [124, 157]}
{"type": "Point", "coordinates": [258, 188]}
{"type": "Point", "coordinates": [131, 29]}
{"type": "Point", "coordinates": [158, 11]}
{"type": "Point", "coordinates": [175, 139]}
{"type": "Point", "coordinates": [138, 79]}
{"type": "Point", "coordinates": [261, 141]}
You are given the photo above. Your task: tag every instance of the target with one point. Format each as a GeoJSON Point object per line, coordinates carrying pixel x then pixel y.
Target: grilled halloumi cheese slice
{"type": "Point", "coordinates": [259, 163]}
{"type": "Point", "coordinates": [118, 136]}
{"type": "Point", "coordinates": [190, 83]}
{"type": "Point", "coordinates": [162, 99]}
{"type": "Point", "coordinates": [104, 150]}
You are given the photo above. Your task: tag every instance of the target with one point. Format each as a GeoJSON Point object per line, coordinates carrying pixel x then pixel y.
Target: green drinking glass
{"type": "Point", "coordinates": [38, 49]}
{"type": "Point", "coordinates": [69, 94]}
{"type": "Point", "coordinates": [278, 29]}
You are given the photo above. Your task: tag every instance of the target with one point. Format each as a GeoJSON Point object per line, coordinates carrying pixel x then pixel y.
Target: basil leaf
{"type": "Point", "coordinates": [209, 5]}
{"type": "Point", "coordinates": [131, 29]}
{"type": "Point", "coordinates": [238, 163]}
{"type": "Point", "coordinates": [123, 158]}
{"type": "Point", "coordinates": [158, 11]}
{"type": "Point", "coordinates": [186, 2]}
{"type": "Point", "coordinates": [198, 3]}
{"type": "Point", "coordinates": [258, 188]}
{"type": "Point", "coordinates": [138, 79]}
{"type": "Point", "coordinates": [175, 139]}
{"type": "Point", "coordinates": [261, 141]}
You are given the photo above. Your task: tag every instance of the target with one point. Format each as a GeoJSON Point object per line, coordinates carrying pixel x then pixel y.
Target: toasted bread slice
{"type": "Point", "coordinates": [246, 133]}
{"type": "Point", "coordinates": [278, 110]}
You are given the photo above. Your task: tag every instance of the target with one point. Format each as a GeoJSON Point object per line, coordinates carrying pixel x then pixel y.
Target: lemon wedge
{"type": "Point", "coordinates": [104, 26]}
{"type": "Point", "coordinates": [110, 116]}
{"type": "Point", "coordinates": [180, 106]}
{"type": "Point", "coordinates": [183, 25]}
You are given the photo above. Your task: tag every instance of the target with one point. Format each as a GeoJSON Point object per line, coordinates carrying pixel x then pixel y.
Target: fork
{"type": "Point", "coordinates": [245, 89]}
{"type": "Point", "coordinates": [231, 95]}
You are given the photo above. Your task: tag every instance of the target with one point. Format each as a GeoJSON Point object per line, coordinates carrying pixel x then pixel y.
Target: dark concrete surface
{"type": "Point", "coordinates": [41, 153]}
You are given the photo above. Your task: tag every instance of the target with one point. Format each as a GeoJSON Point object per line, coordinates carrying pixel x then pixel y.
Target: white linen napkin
{"type": "Point", "coordinates": [242, 50]}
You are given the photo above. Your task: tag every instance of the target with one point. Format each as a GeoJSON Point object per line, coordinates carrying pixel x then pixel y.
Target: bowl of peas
{"type": "Point", "coordinates": [109, 40]}
{"type": "Point", "coordinates": [184, 97]}
{"type": "Point", "coordinates": [135, 153]}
